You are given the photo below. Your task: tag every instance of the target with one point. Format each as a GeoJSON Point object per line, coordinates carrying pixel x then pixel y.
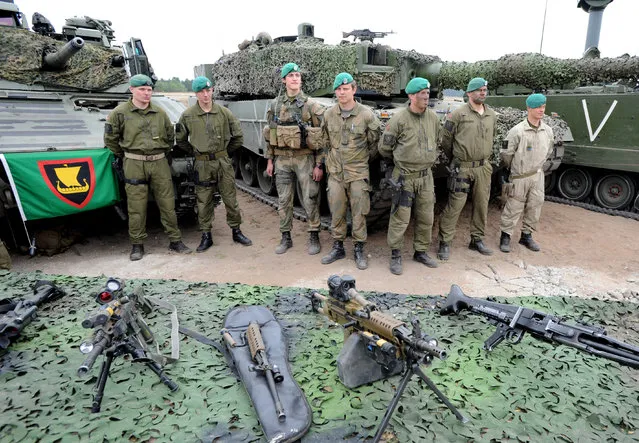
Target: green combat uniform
{"type": "Point", "coordinates": [211, 137]}
{"type": "Point", "coordinates": [468, 139]}
{"type": "Point", "coordinates": [525, 151]}
{"type": "Point", "coordinates": [144, 137]}
{"type": "Point", "coordinates": [5, 258]}
{"type": "Point", "coordinates": [411, 139]}
{"type": "Point", "coordinates": [292, 156]}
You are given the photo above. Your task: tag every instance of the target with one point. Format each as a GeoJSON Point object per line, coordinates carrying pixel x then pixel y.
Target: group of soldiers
{"type": "Point", "coordinates": [304, 141]}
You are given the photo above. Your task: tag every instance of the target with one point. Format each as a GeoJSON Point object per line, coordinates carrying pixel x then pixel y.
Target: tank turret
{"type": "Point", "coordinates": [59, 59]}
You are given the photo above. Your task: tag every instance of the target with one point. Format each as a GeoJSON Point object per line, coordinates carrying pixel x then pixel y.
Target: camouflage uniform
{"type": "Point", "coordinates": [5, 258]}
{"type": "Point", "coordinates": [295, 162]}
{"type": "Point", "coordinates": [525, 153]}
{"type": "Point", "coordinates": [411, 139]}
{"type": "Point", "coordinates": [147, 132]}
{"type": "Point", "coordinates": [211, 137]}
{"type": "Point", "coordinates": [467, 138]}
{"type": "Point", "coordinates": [351, 142]}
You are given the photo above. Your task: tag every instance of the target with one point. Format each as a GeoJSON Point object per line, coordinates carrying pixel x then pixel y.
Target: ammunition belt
{"type": "Point", "coordinates": [211, 156]}
{"type": "Point", "coordinates": [473, 164]}
{"type": "Point", "coordinates": [526, 175]}
{"type": "Point", "coordinates": [145, 158]}
{"type": "Point", "coordinates": [292, 152]}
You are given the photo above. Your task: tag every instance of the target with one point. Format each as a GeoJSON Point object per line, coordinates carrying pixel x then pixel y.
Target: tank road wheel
{"type": "Point", "coordinates": [614, 191]}
{"type": "Point", "coordinates": [267, 184]}
{"type": "Point", "coordinates": [575, 184]}
{"type": "Point", "coordinates": [550, 181]}
{"type": "Point", "coordinates": [247, 168]}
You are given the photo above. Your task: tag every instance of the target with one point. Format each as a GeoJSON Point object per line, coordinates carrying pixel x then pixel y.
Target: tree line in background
{"type": "Point", "coordinates": [173, 85]}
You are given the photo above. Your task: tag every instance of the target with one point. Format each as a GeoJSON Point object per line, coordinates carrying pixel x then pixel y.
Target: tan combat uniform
{"type": "Point", "coordinates": [526, 151]}
{"type": "Point", "coordinates": [144, 136]}
{"type": "Point", "coordinates": [293, 158]}
{"type": "Point", "coordinates": [468, 139]}
{"type": "Point", "coordinates": [5, 258]}
{"type": "Point", "coordinates": [411, 140]}
{"type": "Point", "coordinates": [211, 137]}
{"type": "Point", "coordinates": [351, 141]}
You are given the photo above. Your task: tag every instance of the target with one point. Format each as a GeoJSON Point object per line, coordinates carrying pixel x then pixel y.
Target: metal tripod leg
{"type": "Point", "coordinates": [101, 383]}
{"type": "Point", "coordinates": [155, 367]}
{"type": "Point", "coordinates": [417, 370]}
{"type": "Point", "coordinates": [393, 404]}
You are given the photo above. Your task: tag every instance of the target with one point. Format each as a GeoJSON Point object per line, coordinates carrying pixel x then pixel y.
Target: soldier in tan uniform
{"type": "Point", "coordinates": [293, 150]}
{"type": "Point", "coordinates": [410, 139]}
{"type": "Point", "coordinates": [467, 140]}
{"type": "Point", "coordinates": [142, 133]}
{"type": "Point", "coordinates": [5, 258]}
{"type": "Point", "coordinates": [211, 132]}
{"type": "Point", "coordinates": [525, 150]}
{"type": "Point", "coordinates": [351, 133]}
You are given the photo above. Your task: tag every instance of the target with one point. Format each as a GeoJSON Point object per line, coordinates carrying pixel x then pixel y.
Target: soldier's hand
{"type": "Point", "coordinates": [269, 167]}
{"type": "Point", "coordinates": [318, 173]}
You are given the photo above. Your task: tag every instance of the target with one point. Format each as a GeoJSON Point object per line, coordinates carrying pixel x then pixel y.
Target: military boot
{"type": "Point", "coordinates": [360, 256]}
{"type": "Point", "coordinates": [396, 262]}
{"type": "Point", "coordinates": [314, 243]}
{"type": "Point", "coordinates": [137, 252]}
{"type": "Point", "coordinates": [337, 253]}
{"type": "Point", "coordinates": [527, 240]}
{"type": "Point", "coordinates": [423, 258]}
{"type": "Point", "coordinates": [504, 242]}
{"type": "Point", "coordinates": [476, 244]}
{"type": "Point", "coordinates": [444, 251]}
{"type": "Point", "coordinates": [240, 238]}
{"type": "Point", "coordinates": [285, 243]}
{"type": "Point", "coordinates": [179, 247]}
{"type": "Point", "coordinates": [205, 243]}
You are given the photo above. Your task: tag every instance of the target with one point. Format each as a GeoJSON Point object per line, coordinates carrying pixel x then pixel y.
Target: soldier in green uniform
{"type": "Point", "coordinates": [143, 134]}
{"type": "Point", "coordinates": [5, 258]}
{"type": "Point", "coordinates": [410, 139]}
{"type": "Point", "coordinates": [293, 150]}
{"type": "Point", "coordinates": [351, 133]}
{"type": "Point", "coordinates": [467, 140]}
{"type": "Point", "coordinates": [211, 132]}
{"type": "Point", "coordinates": [525, 150]}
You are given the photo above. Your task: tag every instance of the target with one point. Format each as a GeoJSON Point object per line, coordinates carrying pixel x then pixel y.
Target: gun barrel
{"type": "Point", "coordinates": [59, 59]}
{"type": "Point", "coordinates": [102, 341]}
{"type": "Point", "coordinates": [434, 350]}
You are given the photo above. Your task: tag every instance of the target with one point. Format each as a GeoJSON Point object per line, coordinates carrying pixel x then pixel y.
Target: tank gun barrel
{"type": "Point", "coordinates": [59, 59]}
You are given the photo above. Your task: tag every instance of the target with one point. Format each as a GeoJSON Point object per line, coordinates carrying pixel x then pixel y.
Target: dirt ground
{"type": "Point", "coordinates": [583, 254]}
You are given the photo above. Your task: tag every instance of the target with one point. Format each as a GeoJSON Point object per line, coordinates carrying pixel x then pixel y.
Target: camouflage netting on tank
{"type": "Point", "coordinates": [21, 54]}
{"type": "Point", "coordinates": [529, 392]}
{"type": "Point", "coordinates": [255, 72]}
{"type": "Point", "coordinates": [539, 72]}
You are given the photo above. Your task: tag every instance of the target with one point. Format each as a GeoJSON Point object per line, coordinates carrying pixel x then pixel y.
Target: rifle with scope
{"type": "Point", "coordinates": [119, 329]}
{"type": "Point", "coordinates": [389, 341]}
{"type": "Point", "coordinates": [15, 316]}
{"type": "Point", "coordinates": [514, 321]}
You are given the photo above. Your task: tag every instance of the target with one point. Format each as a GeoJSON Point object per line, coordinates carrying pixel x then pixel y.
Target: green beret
{"type": "Point", "coordinates": [416, 85]}
{"type": "Point", "coordinates": [140, 80]}
{"type": "Point", "coordinates": [343, 78]}
{"type": "Point", "coordinates": [535, 100]}
{"type": "Point", "coordinates": [475, 84]}
{"type": "Point", "coordinates": [200, 83]}
{"type": "Point", "coordinates": [289, 67]}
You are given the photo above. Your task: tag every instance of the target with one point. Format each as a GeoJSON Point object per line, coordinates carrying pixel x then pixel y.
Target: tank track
{"type": "Point", "coordinates": [594, 208]}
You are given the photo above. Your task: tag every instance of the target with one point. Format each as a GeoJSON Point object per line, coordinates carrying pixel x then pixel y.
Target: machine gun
{"type": "Point", "coordinates": [15, 316]}
{"type": "Point", "coordinates": [271, 372]}
{"type": "Point", "coordinates": [365, 35]}
{"type": "Point", "coordinates": [388, 341]}
{"type": "Point", "coordinates": [118, 330]}
{"type": "Point", "coordinates": [514, 321]}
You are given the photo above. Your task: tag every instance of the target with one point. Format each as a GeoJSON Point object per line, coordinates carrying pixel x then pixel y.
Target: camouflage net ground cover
{"type": "Point", "coordinates": [21, 55]}
{"type": "Point", "coordinates": [530, 392]}
{"type": "Point", "coordinates": [255, 72]}
{"type": "Point", "coordinates": [539, 72]}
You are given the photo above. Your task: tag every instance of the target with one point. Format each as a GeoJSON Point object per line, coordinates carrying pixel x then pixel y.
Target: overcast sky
{"type": "Point", "coordinates": [186, 33]}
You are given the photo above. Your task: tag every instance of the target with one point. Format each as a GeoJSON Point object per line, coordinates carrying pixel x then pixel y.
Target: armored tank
{"type": "Point", "coordinates": [56, 90]}
{"type": "Point", "coordinates": [246, 80]}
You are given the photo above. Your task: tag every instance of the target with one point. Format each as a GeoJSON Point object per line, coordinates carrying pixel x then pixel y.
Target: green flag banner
{"type": "Point", "coordinates": [52, 184]}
